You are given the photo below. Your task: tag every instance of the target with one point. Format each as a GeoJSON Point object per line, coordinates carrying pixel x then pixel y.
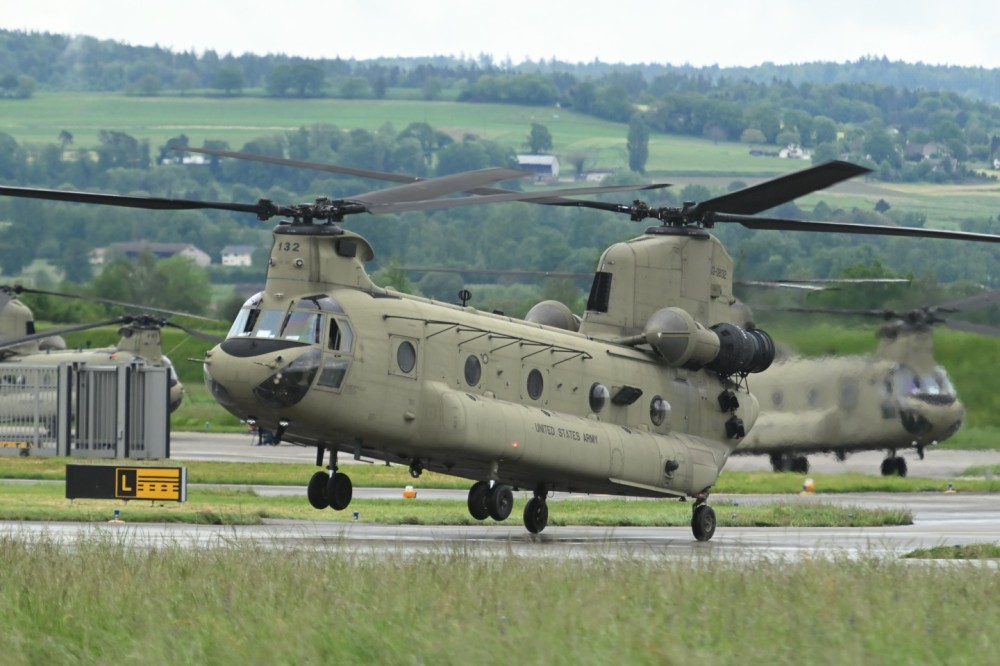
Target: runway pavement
{"type": "Point", "coordinates": [937, 463]}
{"type": "Point", "coordinates": [939, 519]}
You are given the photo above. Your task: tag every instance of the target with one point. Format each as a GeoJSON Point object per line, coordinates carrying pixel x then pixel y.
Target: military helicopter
{"type": "Point", "coordinates": [896, 398]}
{"type": "Point", "coordinates": [646, 395]}
{"type": "Point", "coordinates": [140, 337]}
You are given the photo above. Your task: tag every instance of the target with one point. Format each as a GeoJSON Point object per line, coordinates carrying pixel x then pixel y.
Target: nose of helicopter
{"type": "Point", "coordinates": [244, 374]}
{"type": "Point", "coordinates": [932, 421]}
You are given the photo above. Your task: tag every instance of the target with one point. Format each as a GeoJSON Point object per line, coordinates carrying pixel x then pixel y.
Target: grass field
{"type": "Point", "coordinates": [108, 601]}
{"type": "Point", "coordinates": [681, 160]}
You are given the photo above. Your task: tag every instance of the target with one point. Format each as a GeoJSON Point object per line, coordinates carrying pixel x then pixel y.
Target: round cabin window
{"type": "Point", "coordinates": [406, 356]}
{"type": "Point", "coordinates": [473, 370]}
{"type": "Point", "coordinates": [599, 396]}
{"type": "Point", "coordinates": [659, 409]}
{"type": "Point", "coordinates": [535, 384]}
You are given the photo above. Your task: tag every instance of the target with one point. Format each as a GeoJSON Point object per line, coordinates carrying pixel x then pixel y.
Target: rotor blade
{"type": "Point", "coordinates": [195, 332]}
{"type": "Point", "coordinates": [882, 314]}
{"type": "Point", "coordinates": [13, 342]}
{"type": "Point", "coordinates": [777, 191]}
{"type": "Point", "coordinates": [970, 327]}
{"type": "Point", "coordinates": [28, 290]}
{"type": "Point", "coordinates": [779, 283]}
{"type": "Point", "coordinates": [497, 272]}
{"type": "Point", "coordinates": [430, 188]}
{"type": "Point", "coordinates": [813, 283]}
{"type": "Point", "coordinates": [363, 173]}
{"type": "Point", "coordinates": [973, 302]}
{"type": "Point", "coordinates": [849, 228]}
{"type": "Point", "coordinates": [299, 164]}
{"type": "Point", "coordinates": [531, 197]}
{"type": "Point", "coordinates": [126, 201]}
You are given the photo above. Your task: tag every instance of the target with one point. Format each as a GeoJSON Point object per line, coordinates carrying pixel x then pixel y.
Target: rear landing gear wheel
{"type": "Point", "coordinates": [499, 502]}
{"type": "Point", "coordinates": [536, 514]}
{"type": "Point", "coordinates": [800, 465]}
{"type": "Point", "coordinates": [894, 466]}
{"type": "Point", "coordinates": [316, 490]}
{"type": "Point", "coordinates": [478, 493]}
{"type": "Point", "coordinates": [703, 522]}
{"type": "Point", "coordinates": [339, 491]}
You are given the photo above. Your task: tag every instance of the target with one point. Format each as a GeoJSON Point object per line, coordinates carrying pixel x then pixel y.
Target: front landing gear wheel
{"type": "Point", "coordinates": [339, 491]}
{"type": "Point", "coordinates": [703, 522]}
{"type": "Point", "coordinates": [316, 490]}
{"type": "Point", "coordinates": [499, 502]}
{"type": "Point", "coordinates": [536, 515]}
{"type": "Point", "coordinates": [478, 493]}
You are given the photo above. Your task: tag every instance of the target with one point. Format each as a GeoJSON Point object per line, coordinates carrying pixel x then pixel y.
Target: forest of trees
{"type": "Point", "coordinates": [835, 111]}
{"type": "Point", "coordinates": [909, 122]}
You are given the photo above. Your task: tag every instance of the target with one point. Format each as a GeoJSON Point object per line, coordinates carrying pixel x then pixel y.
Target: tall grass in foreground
{"type": "Point", "coordinates": [249, 603]}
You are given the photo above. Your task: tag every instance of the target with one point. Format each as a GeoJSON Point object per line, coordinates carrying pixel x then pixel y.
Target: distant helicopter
{"type": "Point", "coordinates": [896, 398]}
{"type": "Point", "coordinates": [140, 338]}
{"type": "Point", "coordinates": [646, 395]}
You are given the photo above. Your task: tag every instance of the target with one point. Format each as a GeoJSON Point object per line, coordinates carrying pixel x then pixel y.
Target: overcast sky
{"type": "Point", "coordinates": [723, 32]}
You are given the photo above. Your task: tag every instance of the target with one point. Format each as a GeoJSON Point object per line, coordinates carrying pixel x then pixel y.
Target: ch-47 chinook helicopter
{"type": "Point", "coordinates": [645, 396]}
{"type": "Point", "coordinates": [140, 340]}
{"type": "Point", "coordinates": [899, 397]}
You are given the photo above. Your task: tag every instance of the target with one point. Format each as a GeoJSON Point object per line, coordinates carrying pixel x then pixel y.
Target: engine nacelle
{"type": "Point", "coordinates": [725, 348]}
{"type": "Point", "coordinates": [554, 314]}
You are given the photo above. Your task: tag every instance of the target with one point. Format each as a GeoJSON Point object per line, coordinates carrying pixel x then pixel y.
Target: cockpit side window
{"type": "Point", "coordinates": [244, 323]}
{"type": "Point", "coordinates": [302, 326]}
{"type": "Point", "coordinates": [341, 336]}
{"type": "Point", "coordinates": [268, 323]}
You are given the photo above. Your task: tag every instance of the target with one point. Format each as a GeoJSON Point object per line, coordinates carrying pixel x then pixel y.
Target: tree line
{"type": "Point", "coordinates": [915, 127]}
{"type": "Point", "coordinates": [501, 236]}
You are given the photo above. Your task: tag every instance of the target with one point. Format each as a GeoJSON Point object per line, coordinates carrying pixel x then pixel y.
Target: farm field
{"type": "Point", "coordinates": [681, 160]}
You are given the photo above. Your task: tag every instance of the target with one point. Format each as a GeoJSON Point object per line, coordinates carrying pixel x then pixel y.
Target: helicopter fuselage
{"type": "Point", "coordinates": [343, 365]}
{"type": "Point", "coordinates": [847, 404]}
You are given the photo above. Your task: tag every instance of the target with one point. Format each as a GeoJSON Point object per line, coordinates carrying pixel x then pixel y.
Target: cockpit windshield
{"type": "Point", "coordinates": [303, 323]}
{"type": "Point", "coordinates": [934, 383]}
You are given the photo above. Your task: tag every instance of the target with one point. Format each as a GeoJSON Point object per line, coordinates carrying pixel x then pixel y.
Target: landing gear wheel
{"type": "Point", "coordinates": [800, 465]}
{"type": "Point", "coordinates": [478, 493]}
{"type": "Point", "coordinates": [899, 466]}
{"type": "Point", "coordinates": [499, 502]}
{"type": "Point", "coordinates": [779, 462]}
{"type": "Point", "coordinates": [536, 515]}
{"type": "Point", "coordinates": [888, 467]}
{"type": "Point", "coordinates": [316, 490]}
{"type": "Point", "coordinates": [703, 522]}
{"type": "Point", "coordinates": [339, 491]}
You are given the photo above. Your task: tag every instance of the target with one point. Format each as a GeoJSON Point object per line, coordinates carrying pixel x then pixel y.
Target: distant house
{"type": "Point", "coordinates": [135, 249]}
{"type": "Point", "coordinates": [915, 152]}
{"type": "Point", "coordinates": [794, 151]}
{"type": "Point", "coordinates": [544, 168]}
{"type": "Point", "coordinates": [598, 175]}
{"type": "Point", "coordinates": [237, 255]}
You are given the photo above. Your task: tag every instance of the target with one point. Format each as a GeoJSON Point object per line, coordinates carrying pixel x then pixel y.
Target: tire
{"type": "Point", "coordinates": [888, 467]}
{"type": "Point", "coordinates": [316, 490]}
{"type": "Point", "coordinates": [478, 493]}
{"type": "Point", "coordinates": [800, 465]}
{"type": "Point", "coordinates": [703, 522]}
{"type": "Point", "coordinates": [339, 491]}
{"type": "Point", "coordinates": [536, 515]}
{"type": "Point", "coordinates": [899, 466]}
{"type": "Point", "coordinates": [500, 502]}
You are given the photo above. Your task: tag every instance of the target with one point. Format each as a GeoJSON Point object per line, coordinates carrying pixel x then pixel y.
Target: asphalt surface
{"type": "Point", "coordinates": [937, 463]}
{"type": "Point", "coordinates": [948, 519]}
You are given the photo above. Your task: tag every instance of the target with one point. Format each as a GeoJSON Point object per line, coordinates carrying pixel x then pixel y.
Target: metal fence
{"type": "Point", "coordinates": [79, 410]}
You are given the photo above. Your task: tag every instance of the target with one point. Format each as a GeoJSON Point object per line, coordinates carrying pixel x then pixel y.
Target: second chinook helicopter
{"type": "Point", "coordinates": [645, 396]}
{"type": "Point", "coordinates": [140, 338]}
{"type": "Point", "coordinates": [894, 399]}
